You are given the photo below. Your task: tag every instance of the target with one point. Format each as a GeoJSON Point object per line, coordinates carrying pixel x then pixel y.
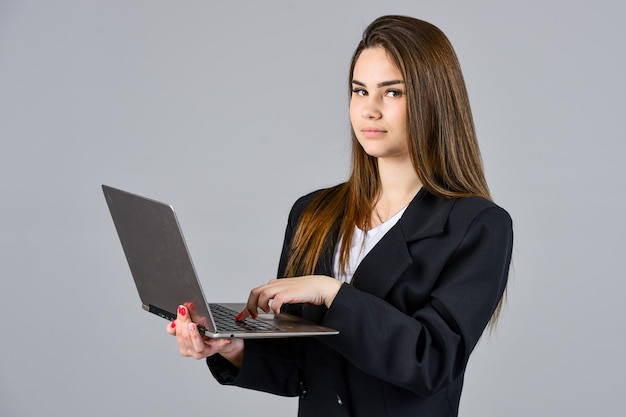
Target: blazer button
{"type": "Point", "coordinates": [302, 390]}
{"type": "Point", "coordinates": [339, 400]}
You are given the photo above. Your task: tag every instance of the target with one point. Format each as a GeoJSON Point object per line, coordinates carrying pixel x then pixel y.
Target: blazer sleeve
{"type": "Point", "coordinates": [268, 366]}
{"type": "Point", "coordinates": [425, 350]}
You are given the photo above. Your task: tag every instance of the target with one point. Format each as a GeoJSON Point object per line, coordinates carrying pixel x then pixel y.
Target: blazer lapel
{"type": "Point", "coordinates": [425, 216]}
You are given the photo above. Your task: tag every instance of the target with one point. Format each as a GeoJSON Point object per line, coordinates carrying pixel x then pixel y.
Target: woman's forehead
{"type": "Point", "coordinates": [374, 65]}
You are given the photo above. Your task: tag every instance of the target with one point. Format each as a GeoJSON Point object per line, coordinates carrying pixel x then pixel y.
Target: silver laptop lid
{"type": "Point", "coordinates": [157, 256]}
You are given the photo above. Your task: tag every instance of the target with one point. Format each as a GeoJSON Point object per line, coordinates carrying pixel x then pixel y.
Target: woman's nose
{"type": "Point", "coordinates": [370, 110]}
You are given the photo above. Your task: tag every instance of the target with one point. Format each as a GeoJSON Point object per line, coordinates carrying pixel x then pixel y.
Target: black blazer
{"type": "Point", "coordinates": [416, 307]}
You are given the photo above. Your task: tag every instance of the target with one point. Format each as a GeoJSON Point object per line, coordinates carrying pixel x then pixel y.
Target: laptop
{"type": "Point", "coordinates": [165, 278]}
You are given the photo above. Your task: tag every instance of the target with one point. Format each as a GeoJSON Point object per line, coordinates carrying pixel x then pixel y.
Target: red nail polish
{"type": "Point", "coordinates": [181, 311]}
{"type": "Point", "coordinates": [173, 324]}
{"type": "Point", "coordinates": [238, 317]}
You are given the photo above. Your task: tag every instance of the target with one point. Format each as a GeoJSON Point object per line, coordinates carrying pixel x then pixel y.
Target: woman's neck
{"type": "Point", "coordinates": [399, 184]}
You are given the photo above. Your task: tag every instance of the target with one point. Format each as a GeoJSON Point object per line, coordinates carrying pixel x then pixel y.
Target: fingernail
{"type": "Point", "coordinates": [192, 327]}
{"type": "Point", "coordinates": [253, 316]}
{"type": "Point", "coordinates": [173, 324]}
{"type": "Point", "coordinates": [182, 311]}
{"type": "Point", "coordinates": [238, 317]}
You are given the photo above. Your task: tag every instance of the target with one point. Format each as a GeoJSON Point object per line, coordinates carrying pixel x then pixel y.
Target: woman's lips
{"type": "Point", "coordinates": [372, 132]}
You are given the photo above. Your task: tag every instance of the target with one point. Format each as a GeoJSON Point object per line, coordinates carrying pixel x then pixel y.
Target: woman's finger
{"type": "Point", "coordinates": [260, 297]}
{"type": "Point", "coordinates": [183, 314]}
{"type": "Point", "coordinates": [252, 304]}
{"type": "Point", "coordinates": [171, 328]}
{"type": "Point", "coordinates": [181, 327]}
{"type": "Point", "coordinates": [268, 293]}
{"type": "Point", "coordinates": [201, 347]}
{"type": "Point", "coordinates": [197, 342]}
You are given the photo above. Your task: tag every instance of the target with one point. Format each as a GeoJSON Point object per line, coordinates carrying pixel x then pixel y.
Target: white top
{"type": "Point", "coordinates": [362, 243]}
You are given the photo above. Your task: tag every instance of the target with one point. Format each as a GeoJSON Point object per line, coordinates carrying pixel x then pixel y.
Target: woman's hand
{"type": "Point", "coordinates": [314, 289]}
{"type": "Point", "coordinates": [192, 344]}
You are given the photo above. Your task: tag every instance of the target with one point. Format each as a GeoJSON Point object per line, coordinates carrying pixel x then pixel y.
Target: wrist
{"type": "Point", "coordinates": [334, 287]}
{"type": "Point", "coordinates": [234, 354]}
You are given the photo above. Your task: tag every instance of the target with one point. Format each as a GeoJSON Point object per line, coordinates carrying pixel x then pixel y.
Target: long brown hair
{"type": "Point", "coordinates": [442, 141]}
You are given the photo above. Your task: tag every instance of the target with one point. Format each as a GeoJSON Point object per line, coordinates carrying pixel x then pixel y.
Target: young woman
{"type": "Point", "coordinates": [408, 259]}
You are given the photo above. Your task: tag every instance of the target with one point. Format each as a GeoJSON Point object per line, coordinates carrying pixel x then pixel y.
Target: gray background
{"type": "Point", "coordinates": [230, 111]}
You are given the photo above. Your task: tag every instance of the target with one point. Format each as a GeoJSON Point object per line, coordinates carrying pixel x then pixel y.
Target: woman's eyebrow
{"type": "Point", "coordinates": [381, 84]}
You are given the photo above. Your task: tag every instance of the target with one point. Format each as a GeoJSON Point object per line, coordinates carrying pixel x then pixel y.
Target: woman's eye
{"type": "Point", "coordinates": [394, 93]}
{"type": "Point", "coordinates": [359, 92]}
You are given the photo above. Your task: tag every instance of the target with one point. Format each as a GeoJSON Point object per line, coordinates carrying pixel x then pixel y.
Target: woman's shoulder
{"type": "Point", "coordinates": [470, 206]}
{"type": "Point", "coordinates": [470, 209]}
{"type": "Point", "coordinates": [430, 214]}
{"type": "Point", "coordinates": [305, 200]}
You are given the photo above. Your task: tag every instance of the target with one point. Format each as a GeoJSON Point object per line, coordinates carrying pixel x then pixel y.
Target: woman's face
{"type": "Point", "coordinates": [378, 109]}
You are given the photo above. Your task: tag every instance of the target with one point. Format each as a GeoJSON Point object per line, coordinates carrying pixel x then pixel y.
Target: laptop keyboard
{"type": "Point", "coordinates": [225, 321]}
